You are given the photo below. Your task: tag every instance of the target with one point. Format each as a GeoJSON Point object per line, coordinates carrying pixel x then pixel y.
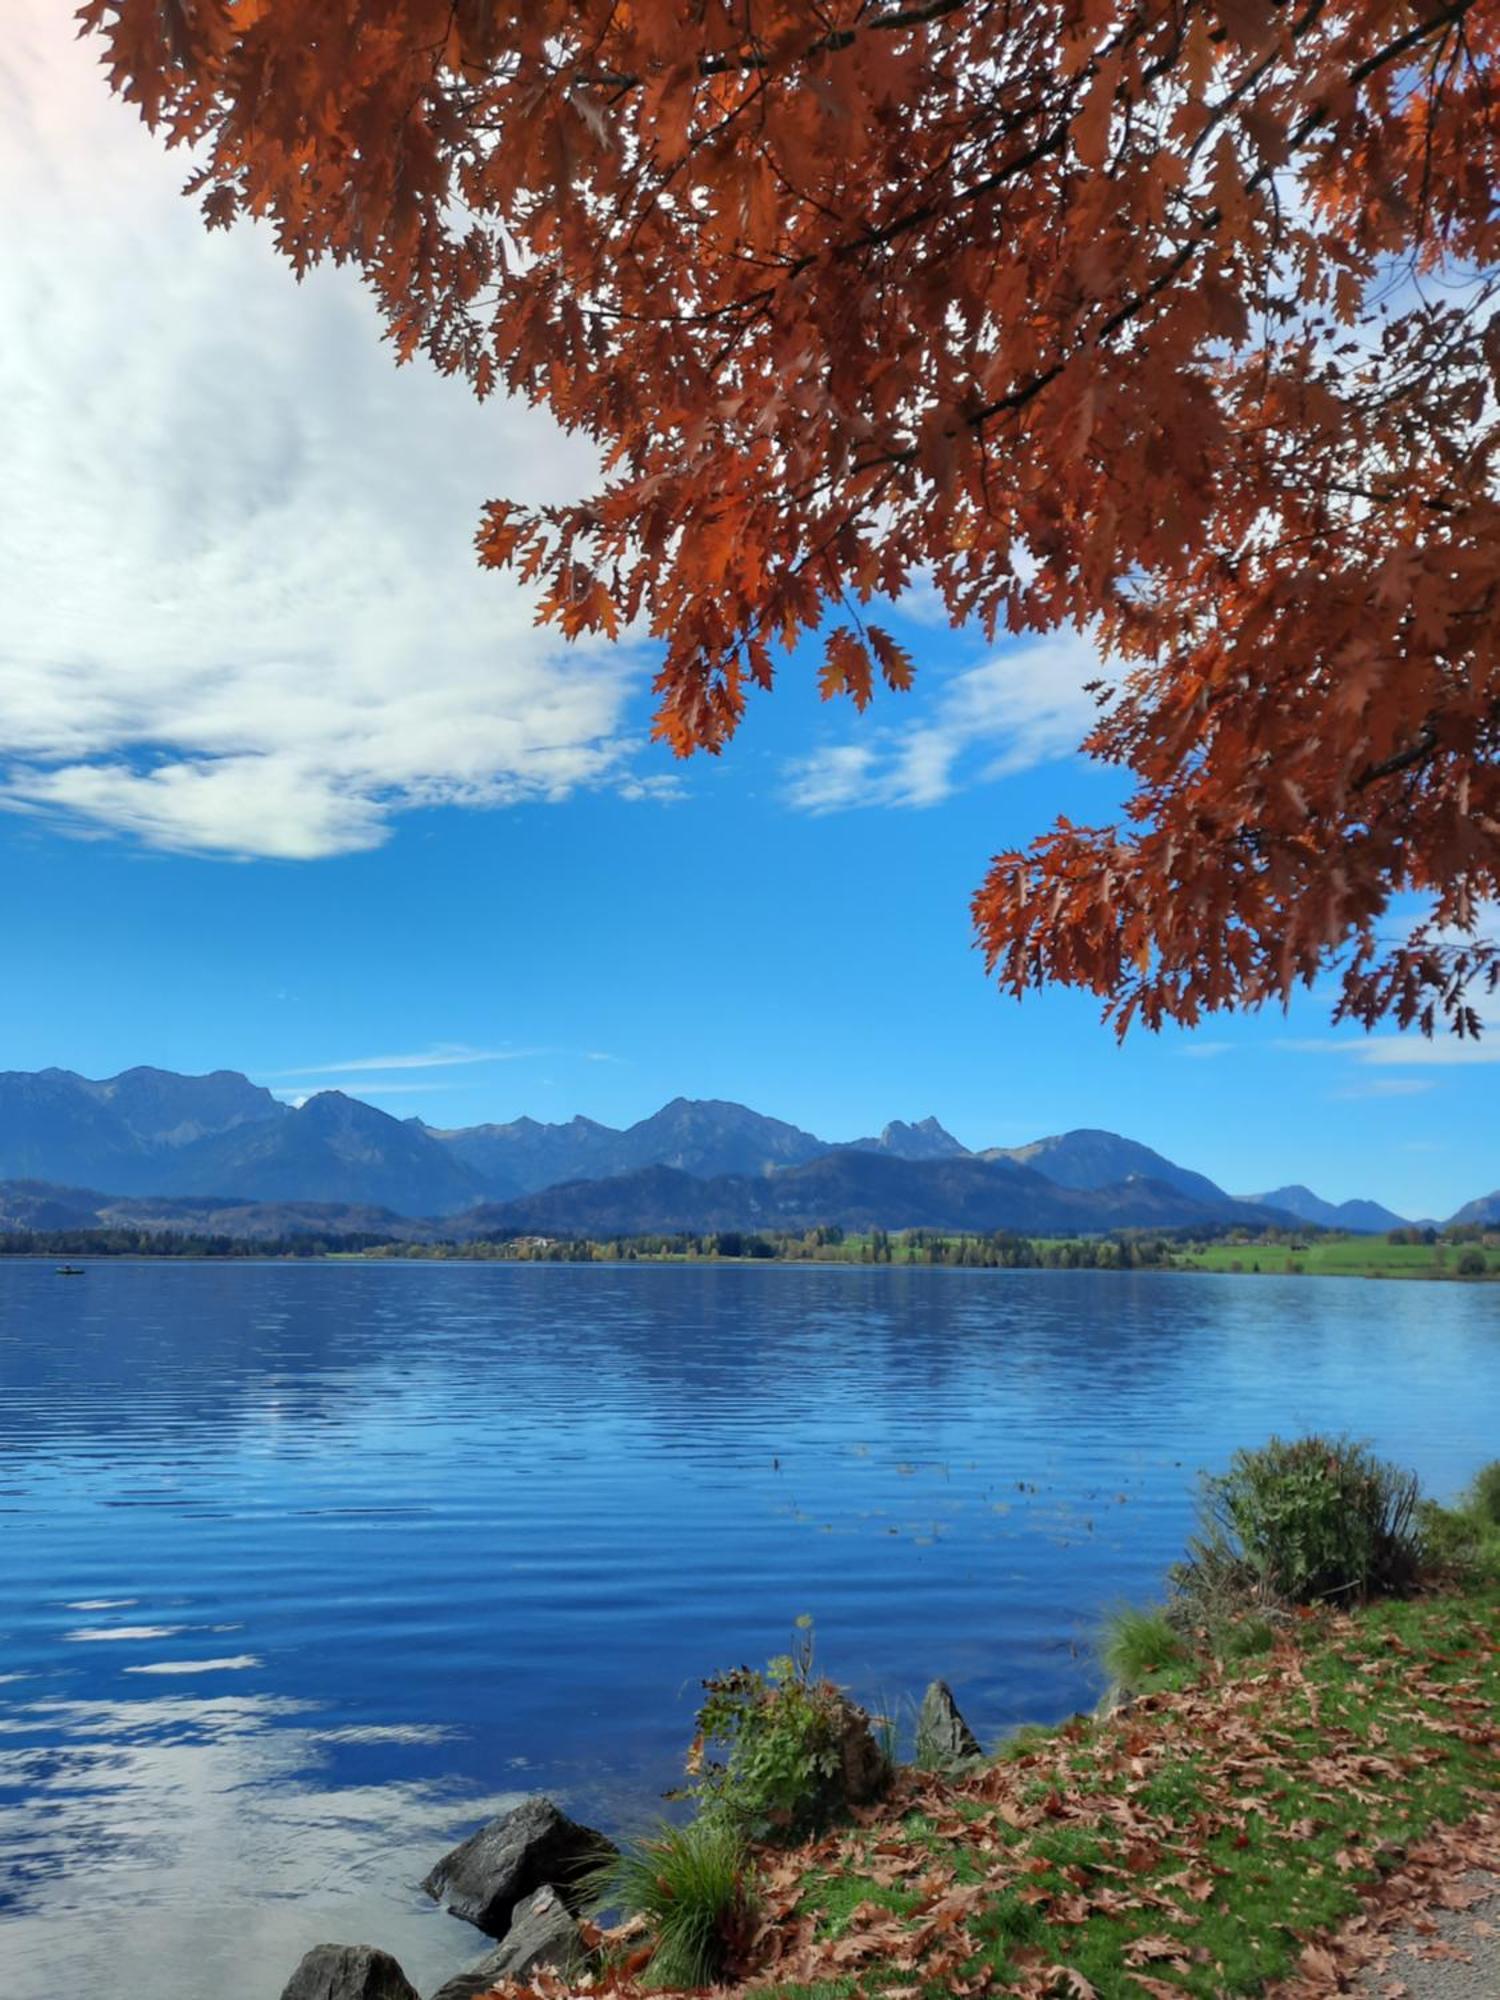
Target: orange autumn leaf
{"type": "Point", "coordinates": [1086, 312]}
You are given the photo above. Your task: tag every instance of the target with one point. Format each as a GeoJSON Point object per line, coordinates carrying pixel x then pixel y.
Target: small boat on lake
{"type": "Point", "coordinates": [72, 1271]}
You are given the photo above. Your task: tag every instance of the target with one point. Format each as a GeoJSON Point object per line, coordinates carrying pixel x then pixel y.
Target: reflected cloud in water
{"type": "Point", "coordinates": [237, 1663]}
{"type": "Point", "coordinates": [482, 1527]}
{"type": "Point", "coordinates": [217, 1839]}
{"type": "Point", "coordinates": [98, 1634]}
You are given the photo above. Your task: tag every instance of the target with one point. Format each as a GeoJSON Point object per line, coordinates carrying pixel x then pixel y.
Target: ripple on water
{"type": "Point", "coordinates": [481, 1528]}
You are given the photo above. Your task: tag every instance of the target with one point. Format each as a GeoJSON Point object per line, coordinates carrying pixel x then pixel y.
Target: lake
{"type": "Point", "coordinates": [306, 1569]}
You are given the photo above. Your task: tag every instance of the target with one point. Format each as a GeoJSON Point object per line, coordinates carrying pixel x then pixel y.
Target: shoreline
{"type": "Point", "coordinates": [492, 1255]}
{"type": "Point", "coordinates": [1266, 1826]}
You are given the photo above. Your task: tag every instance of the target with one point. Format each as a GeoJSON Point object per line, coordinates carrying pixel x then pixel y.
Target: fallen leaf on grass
{"type": "Point", "coordinates": [1144, 1950]}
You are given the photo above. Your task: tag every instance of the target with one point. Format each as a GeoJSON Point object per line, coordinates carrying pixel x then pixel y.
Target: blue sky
{"type": "Point", "coordinates": [290, 787]}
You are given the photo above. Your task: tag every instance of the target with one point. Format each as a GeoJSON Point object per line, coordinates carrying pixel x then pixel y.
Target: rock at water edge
{"type": "Point", "coordinates": [348, 1972]}
{"type": "Point", "coordinates": [863, 1770]}
{"type": "Point", "coordinates": [513, 1857]}
{"type": "Point", "coordinates": [943, 1737]}
{"type": "Point", "coordinates": [542, 1932]}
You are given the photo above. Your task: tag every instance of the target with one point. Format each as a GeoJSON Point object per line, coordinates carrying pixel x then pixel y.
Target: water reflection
{"type": "Point", "coordinates": [303, 1568]}
{"type": "Point", "coordinates": [220, 1838]}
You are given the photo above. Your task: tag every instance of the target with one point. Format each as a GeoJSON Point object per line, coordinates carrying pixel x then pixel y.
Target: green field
{"type": "Point", "coordinates": [1312, 1256]}
{"type": "Point", "coordinates": [1319, 1257]}
{"type": "Point", "coordinates": [1334, 1256]}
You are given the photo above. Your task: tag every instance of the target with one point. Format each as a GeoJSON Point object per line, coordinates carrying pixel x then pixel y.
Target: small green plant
{"type": "Point", "coordinates": [793, 1748]}
{"type": "Point", "coordinates": [694, 1886]}
{"type": "Point", "coordinates": [1310, 1520]}
{"type": "Point", "coordinates": [1244, 1638]}
{"type": "Point", "coordinates": [1450, 1541]}
{"type": "Point", "coordinates": [1136, 1645]}
{"type": "Point", "coordinates": [1026, 1739]}
{"type": "Point", "coordinates": [885, 1727]}
{"type": "Point", "coordinates": [1482, 1498]}
{"type": "Point", "coordinates": [1472, 1263]}
{"type": "Point", "coordinates": [1462, 1542]}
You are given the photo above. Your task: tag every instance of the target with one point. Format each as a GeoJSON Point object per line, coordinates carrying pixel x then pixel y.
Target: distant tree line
{"type": "Point", "coordinates": [126, 1242]}
{"type": "Point", "coordinates": [1000, 1249]}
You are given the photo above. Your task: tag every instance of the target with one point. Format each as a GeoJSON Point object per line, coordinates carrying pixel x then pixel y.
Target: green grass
{"type": "Point", "coordinates": [1482, 1500]}
{"type": "Point", "coordinates": [1333, 1257]}
{"type": "Point", "coordinates": [692, 1884]}
{"type": "Point", "coordinates": [1137, 1647]}
{"type": "Point", "coordinates": [1203, 1839]}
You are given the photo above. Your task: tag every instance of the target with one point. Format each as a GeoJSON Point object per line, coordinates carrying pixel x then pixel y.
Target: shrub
{"type": "Point", "coordinates": [1462, 1542]}
{"type": "Point", "coordinates": [1137, 1644]}
{"type": "Point", "coordinates": [693, 1885]}
{"type": "Point", "coordinates": [795, 1748]}
{"type": "Point", "coordinates": [1472, 1264]}
{"type": "Point", "coordinates": [1245, 1638]}
{"type": "Point", "coordinates": [1483, 1496]}
{"type": "Point", "coordinates": [1303, 1521]}
{"type": "Point", "coordinates": [1450, 1541]}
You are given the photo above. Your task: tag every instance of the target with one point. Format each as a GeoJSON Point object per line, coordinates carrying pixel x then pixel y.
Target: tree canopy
{"type": "Point", "coordinates": [1172, 320]}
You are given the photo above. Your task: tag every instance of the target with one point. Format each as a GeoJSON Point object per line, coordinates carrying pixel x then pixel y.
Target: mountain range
{"type": "Point", "coordinates": [1361, 1218]}
{"type": "Point", "coordinates": [1484, 1209]}
{"type": "Point", "coordinates": [180, 1149]}
{"type": "Point", "coordinates": [860, 1189]}
{"type": "Point", "coordinates": [44, 1208]}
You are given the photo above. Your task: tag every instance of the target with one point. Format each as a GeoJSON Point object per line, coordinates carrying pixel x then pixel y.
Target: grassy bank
{"type": "Point", "coordinates": [1344, 1257]}
{"type": "Point", "coordinates": [1208, 1840]}
{"type": "Point", "coordinates": [1273, 1769]}
{"type": "Point", "coordinates": [1474, 1259]}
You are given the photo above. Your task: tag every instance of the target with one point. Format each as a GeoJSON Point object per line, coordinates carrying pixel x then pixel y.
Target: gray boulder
{"type": "Point", "coordinates": [863, 1772]}
{"type": "Point", "coordinates": [943, 1737]}
{"type": "Point", "coordinates": [1115, 1700]}
{"type": "Point", "coordinates": [514, 1856]}
{"type": "Point", "coordinates": [542, 1932]}
{"type": "Point", "coordinates": [349, 1972]}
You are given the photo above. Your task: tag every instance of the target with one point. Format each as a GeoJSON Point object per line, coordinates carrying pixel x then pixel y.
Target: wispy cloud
{"type": "Point", "coordinates": [242, 611]}
{"type": "Point", "coordinates": [1442, 1052]}
{"type": "Point", "coordinates": [1385, 1086]}
{"type": "Point", "coordinates": [362, 1087]}
{"type": "Point", "coordinates": [1025, 706]}
{"type": "Point", "coordinates": [920, 603]}
{"type": "Point", "coordinates": [444, 1055]}
{"type": "Point", "coordinates": [1405, 1051]}
{"type": "Point", "coordinates": [1205, 1051]}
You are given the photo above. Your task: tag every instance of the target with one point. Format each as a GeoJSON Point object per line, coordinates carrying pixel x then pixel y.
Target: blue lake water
{"type": "Point", "coordinates": [305, 1569]}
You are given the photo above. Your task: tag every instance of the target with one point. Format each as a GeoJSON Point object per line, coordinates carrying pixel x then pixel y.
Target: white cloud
{"type": "Point", "coordinates": [362, 1087]}
{"type": "Point", "coordinates": [446, 1055]}
{"type": "Point", "coordinates": [242, 610]}
{"type": "Point", "coordinates": [1442, 1052]}
{"type": "Point", "coordinates": [920, 603]}
{"type": "Point", "coordinates": [1385, 1086]}
{"type": "Point", "coordinates": [1025, 706]}
{"type": "Point", "coordinates": [1409, 1050]}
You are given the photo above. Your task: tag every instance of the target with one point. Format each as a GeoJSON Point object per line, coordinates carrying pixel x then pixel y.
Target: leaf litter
{"type": "Point", "coordinates": [1268, 1830]}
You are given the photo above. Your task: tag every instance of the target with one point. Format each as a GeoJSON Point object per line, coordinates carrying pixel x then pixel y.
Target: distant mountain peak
{"type": "Point", "coordinates": [1089, 1158]}
{"type": "Point", "coordinates": [924, 1140]}
{"type": "Point", "coordinates": [1484, 1209]}
{"type": "Point", "coordinates": [337, 1103]}
{"type": "Point", "coordinates": [1362, 1218]}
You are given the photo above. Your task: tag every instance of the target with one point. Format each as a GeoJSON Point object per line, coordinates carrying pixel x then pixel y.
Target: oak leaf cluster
{"type": "Point", "coordinates": [1170, 320]}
